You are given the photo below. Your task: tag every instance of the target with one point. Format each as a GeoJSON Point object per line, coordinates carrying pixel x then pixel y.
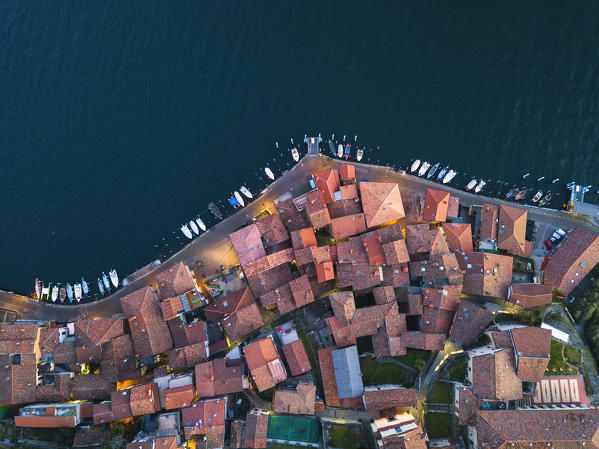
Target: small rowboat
{"type": "Point", "coordinates": [471, 184]}
{"type": "Point", "coordinates": [295, 154]}
{"type": "Point", "coordinates": [449, 176]}
{"type": "Point", "coordinates": [101, 287]}
{"type": "Point", "coordinates": [442, 173]}
{"type": "Point", "coordinates": [201, 224]}
{"type": "Point", "coordinates": [269, 173]}
{"type": "Point", "coordinates": [38, 288]}
{"type": "Point", "coordinates": [546, 199]}
{"type": "Point", "coordinates": [359, 154]}
{"type": "Point", "coordinates": [480, 186]}
{"type": "Point", "coordinates": [70, 292]}
{"type": "Point", "coordinates": [511, 193]}
{"type": "Point", "coordinates": [432, 171]}
{"type": "Point", "coordinates": [105, 282]}
{"type": "Point", "coordinates": [63, 294]}
{"type": "Point", "coordinates": [45, 292]}
{"type": "Point", "coordinates": [521, 194]}
{"type": "Point", "coordinates": [85, 287]}
{"type": "Point", "coordinates": [347, 151]}
{"type": "Point", "coordinates": [246, 192]}
{"type": "Point", "coordinates": [537, 196]}
{"type": "Point", "coordinates": [340, 151]}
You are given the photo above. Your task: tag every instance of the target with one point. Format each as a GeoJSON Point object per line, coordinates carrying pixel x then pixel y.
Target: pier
{"type": "Point", "coordinates": [206, 253]}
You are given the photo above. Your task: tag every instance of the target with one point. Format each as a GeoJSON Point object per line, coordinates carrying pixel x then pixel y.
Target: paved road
{"type": "Point", "coordinates": [213, 247]}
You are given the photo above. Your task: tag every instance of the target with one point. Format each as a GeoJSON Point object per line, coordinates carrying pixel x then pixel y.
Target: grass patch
{"type": "Point", "coordinates": [345, 437]}
{"type": "Point", "coordinates": [457, 369]}
{"type": "Point", "coordinates": [441, 393]}
{"type": "Point", "coordinates": [573, 355]}
{"type": "Point", "coordinates": [375, 373]}
{"type": "Point", "coordinates": [438, 424]}
{"type": "Point", "coordinates": [412, 357]}
{"type": "Point", "coordinates": [556, 364]}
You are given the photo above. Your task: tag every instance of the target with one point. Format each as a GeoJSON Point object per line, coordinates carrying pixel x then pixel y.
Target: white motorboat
{"type": "Point", "coordinates": [425, 166]}
{"type": "Point", "coordinates": [415, 166]}
{"type": "Point", "coordinates": [480, 186]}
{"type": "Point", "coordinates": [194, 227]}
{"type": "Point", "coordinates": [78, 292]}
{"type": "Point", "coordinates": [38, 289]}
{"type": "Point", "coordinates": [114, 278]}
{"type": "Point", "coordinates": [471, 184]}
{"type": "Point", "coordinates": [449, 176]}
{"type": "Point", "coordinates": [54, 293]}
{"type": "Point", "coordinates": [201, 224]}
{"type": "Point", "coordinates": [185, 230]}
{"type": "Point", "coordinates": [340, 151]}
{"type": "Point", "coordinates": [246, 192]}
{"type": "Point", "coordinates": [295, 154]}
{"type": "Point", "coordinates": [269, 173]}
{"type": "Point", "coordinates": [442, 173]}
{"type": "Point", "coordinates": [359, 154]}
{"type": "Point", "coordinates": [537, 196]}
{"type": "Point", "coordinates": [239, 198]}
{"type": "Point", "coordinates": [46, 292]}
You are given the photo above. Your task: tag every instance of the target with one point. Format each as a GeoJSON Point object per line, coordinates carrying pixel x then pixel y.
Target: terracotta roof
{"type": "Point", "coordinates": [237, 313]}
{"type": "Point", "coordinates": [292, 218]}
{"type": "Point", "coordinates": [188, 356]}
{"type": "Point", "coordinates": [469, 322]}
{"type": "Point", "coordinates": [247, 243]}
{"type": "Point", "coordinates": [459, 236]}
{"type": "Point", "coordinates": [381, 202]}
{"type": "Point", "coordinates": [511, 232]}
{"type": "Point", "coordinates": [540, 428]}
{"type": "Point", "coordinates": [90, 387]}
{"type": "Point", "coordinates": [175, 281]}
{"type": "Point", "coordinates": [436, 203]}
{"type": "Point", "coordinates": [205, 418]}
{"type": "Point", "coordinates": [454, 207]}
{"type": "Point", "coordinates": [55, 387]}
{"type": "Point", "coordinates": [86, 436]}
{"type": "Point", "coordinates": [373, 248]}
{"type": "Point", "coordinates": [268, 262]}
{"type": "Point", "coordinates": [281, 298]}
{"type": "Point", "coordinates": [218, 377]}
{"type": "Point", "coordinates": [321, 254]}
{"type": "Point", "coordinates": [256, 429]}
{"type": "Point", "coordinates": [383, 295]}
{"type": "Point", "coordinates": [396, 252]}
{"type": "Point", "coordinates": [89, 333]}
{"type": "Point", "coordinates": [446, 298]}
{"type": "Point", "coordinates": [421, 239]}
{"type": "Point", "coordinates": [185, 334]}
{"type": "Point", "coordinates": [88, 355]}
{"type": "Point", "coordinates": [50, 346]}
{"type": "Point", "coordinates": [237, 430]}
{"type": "Point", "coordinates": [415, 303]}
{"type": "Point", "coordinates": [149, 331]}
{"type": "Point", "coordinates": [297, 359]}
{"type": "Point", "coordinates": [229, 304]}
{"type": "Point", "coordinates": [437, 270]}
{"type": "Point", "coordinates": [325, 271]}
{"type": "Point", "coordinates": [272, 229]}
{"type": "Point", "coordinates": [488, 228]}
{"type": "Point", "coordinates": [351, 251]}
{"type": "Point", "coordinates": [389, 396]}
{"type": "Point", "coordinates": [118, 360]}
{"type": "Point", "coordinates": [531, 346]}
{"type": "Point", "coordinates": [316, 210]}
{"type": "Point", "coordinates": [572, 261]}
{"type": "Point", "coordinates": [301, 291]}
{"type": "Point", "coordinates": [268, 280]}
{"type": "Point", "coordinates": [120, 404]}
{"type": "Point", "coordinates": [347, 172]}
{"type": "Point", "coordinates": [103, 413]}
{"type": "Point", "coordinates": [343, 305]}
{"type": "Point", "coordinates": [307, 237]}
{"type": "Point", "coordinates": [419, 340]}
{"type": "Point", "coordinates": [467, 405]}
{"type": "Point", "coordinates": [178, 397]}
{"type": "Point", "coordinates": [390, 233]}
{"type": "Point", "coordinates": [531, 295]}
{"type": "Point", "coordinates": [349, 192]}
{"type": "Point", "coordinates": [298, 402]}
{"type": "Point", "coordinates": [486, 274]}
{"type": "Point", "coordinates": [494, 376]}
{"type": "Point", "coordinates": [327, 372]}
{"type": "Point", "coordinates": [348, 225]}
{"type": "Point", "coordinates": [264, 363]}
{"type": "Point", "coordinates": [327, 182]}
{"type": "Point", "coordinates": [144, 399]}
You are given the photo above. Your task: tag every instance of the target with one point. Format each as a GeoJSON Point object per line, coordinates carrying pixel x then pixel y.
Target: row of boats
{"type": "Point", "coordinates": [345, 151]}
{"type": "Point", "coordinates": [77, 291]}
{"type": "Point", "coordinates": [445, 175]}
{"type": "Point", "coordinates": [519, 194]}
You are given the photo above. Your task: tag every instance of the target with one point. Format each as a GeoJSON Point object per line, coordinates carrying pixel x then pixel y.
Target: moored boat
{"type": "Point", "coordinates": [480, 186]}
{"type": "Point", "coordinates": [185, 230]}
{"type": "Point", "coordinates": [537, 196]}
{"type": "Point", "coordinates": [194, 227]}
{"type": "Point", "coordinates": [347, 151]}
{"type": "Point", "coordinates": [432, 171]}
{"type": "Point", "coordinates": [521, 194]}
{"type": "Point", "coordinates": [545, 199]}
{"type": "Point", "coordinates": [359, 154]}
{"type": "Point", "coordinates": [269, 173]}
{"type": "Point", "coordinates": [442, 173]}
{"type": "Point", "coordinates": [471, 184]}
{"type": "Point", "coordinates": [201, 224]}
{"type": "Point", "coordinates": [295, 154]}
{"type": "Point", "coordinates": [233, 202]}
{"type": "Point", "coordinates": [239, 198]}
{"type": "Point", "coordinates": [38, 288]}
{"type": "Point", "coordinates": [332, 145]}
{"type": "Point", "coordinates": [511, 193]}
{"type": "Point", "coordinates": [85, 287]}
{"type": "Point", "coordinates": [423, 168]}
{"type": "Point", "coordinates": [246, 192]}
{"type": "Point", "coordinates": [449, 176]}
{"type": "Point", "coordinates": [54, 293]}
{"type": "Point", "coordinates": [106, 282]}
{"type": "Point", "coordinates": [62, 294]}
{"type": "Point", "coordinates": [45, 292]}
{"type": "Point", "coordinates": [114, 278]}
{"type": "Point", "coordinates": [340, 150]}
{"type": "Point", "coordinates": [70, 292]}
{"type": "Point", "coordinates": [215, 211]}
{"type": "Point", "coordinates": [415, 166]}
{"type": "Point", "coordinates": [78, 292]}
{"type": "Point", "coordinates": [101, 287]}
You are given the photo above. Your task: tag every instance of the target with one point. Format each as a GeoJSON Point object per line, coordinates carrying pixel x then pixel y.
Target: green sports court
{"type": "Point", "coordinates": [292, 428]}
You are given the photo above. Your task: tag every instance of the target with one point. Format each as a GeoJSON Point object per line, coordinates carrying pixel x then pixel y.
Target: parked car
{"type": "Point", "coordinates": [548, 245]}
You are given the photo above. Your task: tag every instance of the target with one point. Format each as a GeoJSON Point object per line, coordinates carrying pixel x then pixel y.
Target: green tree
{"type": "Point", "coordinates": [419, 364]}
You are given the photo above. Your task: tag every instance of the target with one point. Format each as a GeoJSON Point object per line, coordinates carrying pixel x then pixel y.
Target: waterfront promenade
{"type": "Point", "coordinates": [213, 247]}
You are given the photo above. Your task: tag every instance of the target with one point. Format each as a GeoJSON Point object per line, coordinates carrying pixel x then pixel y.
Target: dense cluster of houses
{"type": "Point", "coordinates": [342, 240]}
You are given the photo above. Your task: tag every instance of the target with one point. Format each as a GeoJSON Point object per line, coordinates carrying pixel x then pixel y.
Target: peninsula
{"type": "Point", "coordinates": [348, 306]}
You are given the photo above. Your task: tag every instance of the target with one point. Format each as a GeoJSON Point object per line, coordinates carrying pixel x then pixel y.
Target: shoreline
{"type": "Point", "coordinates": [213, 248]}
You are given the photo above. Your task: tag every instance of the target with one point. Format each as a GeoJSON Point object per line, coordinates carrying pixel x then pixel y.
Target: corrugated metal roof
{"type": "Point", "coordinates": [347, 372]}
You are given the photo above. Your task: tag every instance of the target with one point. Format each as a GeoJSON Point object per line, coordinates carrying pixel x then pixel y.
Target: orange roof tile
{"type": "Point", "coordinates": [381, 202]}
{"type": "Point", "coordinates": [436, 203]}
{"type": "Point", "coordinates": [327, 182]}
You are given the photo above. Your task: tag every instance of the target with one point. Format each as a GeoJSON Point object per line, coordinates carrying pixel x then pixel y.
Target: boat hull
{"type": "Point", "coordinates": [239, 198]}
{"type": "Point", "coordinates": [194, 227]}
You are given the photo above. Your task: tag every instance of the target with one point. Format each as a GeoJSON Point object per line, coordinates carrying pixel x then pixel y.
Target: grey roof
{"type": "Point", "coordinates": [347, 372]}
{"type": "Point", "coordinates": [589, 209]}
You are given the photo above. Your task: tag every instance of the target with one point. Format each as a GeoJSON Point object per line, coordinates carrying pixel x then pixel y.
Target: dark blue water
{"type": "Point", "coordinates": [119, 121]}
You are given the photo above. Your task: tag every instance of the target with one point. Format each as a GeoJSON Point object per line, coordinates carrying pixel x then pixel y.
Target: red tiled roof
{"type": "Point", "coordinates": [118, 360]}
{"type": "Point", "coordinates": [268, 262]}
{"type": "Point", "coordinates": [316, 210]}
{"type": "Point", "coordinates": [178, 397]}
{"type": "Point", "coordinates": [381, 202]}
{"type": "Point", "coordinates": [264, 363]}
{"type": "Point", "coordinates": [454, 207]}
{"type": "Point", "coordinates": [572, 261]}
{"type": "Point", "coordinates": [175, 281]}
{"type": "Point", "coordinates": [373, 248]}
{"type": "Point", "coordinates": [459, 236]}
{"type": "Point", "coordinates": [467, 405]}
{"type": "Point", "coordinates": [349, 192]}
{"type": "Point", "coordinates": [298, 402]}
{"type": "Point", "coordinates": [187, 334]}
{"type": "Point", "coordinates": [89, 333]}
{"type": "Point", "coordinates": [229, 304]}
{"type": "Point", "coordinates": [380, 398]}
{"type": "Point", "coordinates": [120, 404]}
{"type": "Point", "coordinates": [530, 295]}
{"type": "Point", "coordinates": [291, 217]}
{"type": "Point", "coordinates": [511, 232]}
{"type": "Point", "coordinates": [90, 387]}
{"type": "Point", "coordinates": [469, 322]}
{"type": "Point", "coordinates": [486, 274]}
{"type": "Point", "coordinates": [347, 172]}
{"type": "Point", "coordinates": [421, 239]}
{"type": "Point", "coordinates": [281, 298]}
{"type": "Point", "coordinates": [272, 229]}
{"type": "Point", "coordinates": [256, 429]}
{"type": "Point", "coordinates": [352, 251]}
{"type": "Point", "coordinates": [188, 356]}
{"type": "Point", "coordinates": [204, 418]}
{"type": "Point", "coordinates": [237, 313]}
{"type": "Point", "coordinates": [494, 376]}
{"type": "Point", "coordinates": [531, 346]}
{"type": "Point", "coordinates": [296, 357]}
{"type": "Point", "coordinates": [268, 280]}
{"type": "Point", "coordinates": [348, 225]}
{"type": "Point", "coordinates": [144, 399]}
{"type": "Point", "coordinates": [327, 182]}
{"type": "Point", "coordinates": [218, 377]}
{"type": "Point", "coordinates": [247, 243]}
{"type": "Point", "coordinates": [327, 371]}
{"type": "Point", "coordinates": [390, 233]}
{"type": "Point", "coordinates": [301, 291]}
{"type": "Point", "coordinates": [103, 413]}
{"type": "Point", "coordinates": [325, 271]}
{"type": "Point", "coordinates": [383, 295]}
{"type": "Point", "coordinates": [488, 228]}
{"type": "Point", "coordinates": [303, 238]}
{"type": "Point", "coordinates": [56, 387]}
{"type": "Point", "coordinates": [419, 340]}
{"type": "Point", "coordinates": [436, 203]}
{"type": "Point", "coordinates": [396, 252]}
